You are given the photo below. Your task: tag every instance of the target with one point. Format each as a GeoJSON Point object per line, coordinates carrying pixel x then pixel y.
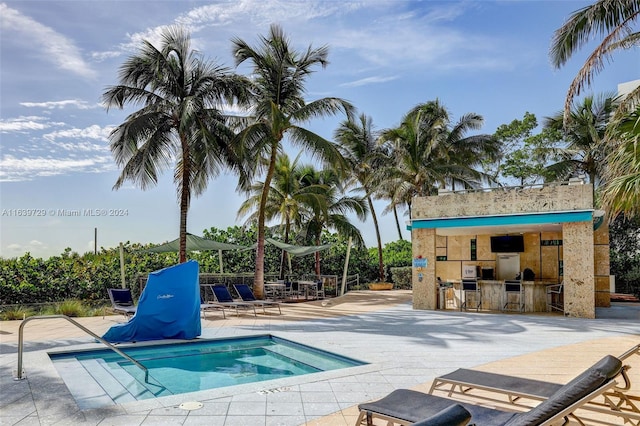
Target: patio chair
{"type": "Point", "coordinates": [317, 291]}
{"type": "Point", "coordinates": [407, 407]}
{"type": "Point", "coordinates": [487, 385]}
{"type": "Point", "coordinates": [245, 293]}
{"type": "Point", "coordinates": [122, 301]}
{"type": "Point", "coordinates": [224, 298]}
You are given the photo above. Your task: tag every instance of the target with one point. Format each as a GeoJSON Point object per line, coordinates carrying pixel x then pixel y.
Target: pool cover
{"type": "Point", "coordinates": [169, 307]}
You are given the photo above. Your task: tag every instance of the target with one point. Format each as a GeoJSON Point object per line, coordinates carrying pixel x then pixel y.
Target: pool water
{"type": "Point", "coordinates": [99, 377]}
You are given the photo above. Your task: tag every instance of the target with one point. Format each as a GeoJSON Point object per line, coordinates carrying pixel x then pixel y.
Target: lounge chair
{"type": "Point", "coordinates": [122, 301]}
{"type": "Point", "coordinates": [211, 306]}
{"type": "Point", "coordinates": [224, 298]}
{"type": "Point", "coordinates": [484, 385]}
{"type": "Point", "coordinates": [407, 407]}
{"type": "Point", "coordinates": [455, 415]}
{"type": "Point", "coordinates": [245, 293]}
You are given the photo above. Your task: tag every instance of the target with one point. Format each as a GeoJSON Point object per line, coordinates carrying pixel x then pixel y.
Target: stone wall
{"type": "Point", "coordinates": [547, 198]}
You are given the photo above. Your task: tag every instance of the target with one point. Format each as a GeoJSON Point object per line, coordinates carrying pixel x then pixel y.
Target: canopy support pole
{"type": "Point", "coordinates": [346, 268]}
{"type": "Point", "coordinates": [122, 277]}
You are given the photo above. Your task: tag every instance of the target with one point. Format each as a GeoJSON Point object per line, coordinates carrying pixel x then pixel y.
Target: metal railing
{"type": "Point", "coordinates": [20, 374]}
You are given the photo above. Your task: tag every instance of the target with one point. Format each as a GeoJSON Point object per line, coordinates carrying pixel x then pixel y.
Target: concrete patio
{"type": "Point", "coordinates": [404, 348]}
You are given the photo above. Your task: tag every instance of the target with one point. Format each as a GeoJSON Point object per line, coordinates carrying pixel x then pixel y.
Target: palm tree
{"type": "Point", "coordinates": [278, 77]}
{"type": "Point", "coordinates": [585, 150]}
{"type": "Point", "coordinates": [332, 210]}
{"type": "Point", "coordinates": [290, 199]}
{"type": "Point", "coordinates": [432, 153]}
{"type": "Point", "coordinates": [359, 146]}
{"type": "Point", "coordinates": [622, 193]}
{"type": "Point", "coordinates": [614, 20]}
{"type": "Point", "coordinates": [179, 122]}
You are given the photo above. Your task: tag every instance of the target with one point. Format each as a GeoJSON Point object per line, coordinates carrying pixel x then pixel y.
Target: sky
{"type": "Point", "coordinates": [385, 57]}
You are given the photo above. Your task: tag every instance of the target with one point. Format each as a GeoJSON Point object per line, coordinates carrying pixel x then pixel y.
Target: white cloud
{"type": "Point", "coordinates": [14, 169]}
{"type": "Point", "coordinates": [61, 104]}
{"type": "Point", "coordinates": [91, 132]}
{"type": "Point", "coordinates": [369, 80]}
{"type": "Point", "coordinates": [23, 124]}
{"type": "Point", "coordinates": [102, 56]}
{"type": "Point", "coordinates": [31, 246]}
{"type": "Point", "coordinates": [49, 44]}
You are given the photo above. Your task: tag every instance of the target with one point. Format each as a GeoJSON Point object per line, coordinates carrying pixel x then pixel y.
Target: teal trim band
{"type": "Point", "coordinates": [520, 219]}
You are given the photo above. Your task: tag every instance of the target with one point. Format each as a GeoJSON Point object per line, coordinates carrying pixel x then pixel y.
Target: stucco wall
{"type": "Point", "coordinates": [515, 200]}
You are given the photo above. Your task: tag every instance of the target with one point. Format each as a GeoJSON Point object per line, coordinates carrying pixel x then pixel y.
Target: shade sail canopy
{"type": "Point", "coordinates": [194, 243]}
{"type": "Point", "coordinates": [297, 250]}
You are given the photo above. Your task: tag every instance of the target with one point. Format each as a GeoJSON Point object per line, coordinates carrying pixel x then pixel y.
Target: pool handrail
{"type": "Point", "coordinates": [19, 375]}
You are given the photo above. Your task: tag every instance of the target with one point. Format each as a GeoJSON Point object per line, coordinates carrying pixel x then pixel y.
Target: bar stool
{"type": "Point", "coordinates": [513, 289]}
{"type": "Point", "coordinates": [555, 297]}
{"type": "Point", "coordinates": [470, 286]}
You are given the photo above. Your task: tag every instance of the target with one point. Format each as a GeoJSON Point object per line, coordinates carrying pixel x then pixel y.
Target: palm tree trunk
{"type": "Point", "coordinates": [375, 223]}
{"type": "Point", "coordinates": [258, 280]}
{"type": "Point", "coordinates": [184, 199]}
{"type": "Point", "coordinates": [283, 258]}
{"type": "Point", "coordinates": [317, 257]}
{"type": "Point", "coordinates": [395, 215]}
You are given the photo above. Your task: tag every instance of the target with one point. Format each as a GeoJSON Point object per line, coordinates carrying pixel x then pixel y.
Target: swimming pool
{"type": "Point", "coordinates": [102, 377]}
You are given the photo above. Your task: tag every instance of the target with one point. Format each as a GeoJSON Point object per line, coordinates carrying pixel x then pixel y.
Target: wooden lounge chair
{"type": "Point", "coordinates": [407, 407]}
{"type": "Point", "coordinates": [245, 293]}
{"type": "Point", "coordinates": [492, 386]}
{"type": "Point", "coordinates": [122, 301]}
{"type": "Point", "coordinates": [224, 298]}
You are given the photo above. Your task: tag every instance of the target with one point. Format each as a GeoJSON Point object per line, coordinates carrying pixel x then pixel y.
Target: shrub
{"type": "Point", "coordinates": [402, 277]}
{"type": "Point", "coordinates": [16, 313]}
{"type": "Point", "coordinates": [72, 308]}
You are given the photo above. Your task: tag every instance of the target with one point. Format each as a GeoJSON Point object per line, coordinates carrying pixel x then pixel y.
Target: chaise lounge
{"type": "Point", "coordinates": [122, 301]}
{"type": "Point", "coordinates": [407, 407]}
{"type": "Point", "coordinates": [224, 298]}
{"type": "Point", "coordinates": [245, 293]}
{"type": "Point", "coordinates": [493, 386]}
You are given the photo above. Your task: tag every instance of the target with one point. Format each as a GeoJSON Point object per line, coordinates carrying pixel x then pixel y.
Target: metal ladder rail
{"type": "Point", "coordinates": [83, 328]}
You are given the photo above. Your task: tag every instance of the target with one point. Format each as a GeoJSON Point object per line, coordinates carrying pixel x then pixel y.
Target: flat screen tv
{"type": "Point", "coordinates": [507, 244]}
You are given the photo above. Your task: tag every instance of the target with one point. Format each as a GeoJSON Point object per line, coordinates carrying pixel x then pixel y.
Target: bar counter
{"type": "Point", "coordinates": [535, 295]}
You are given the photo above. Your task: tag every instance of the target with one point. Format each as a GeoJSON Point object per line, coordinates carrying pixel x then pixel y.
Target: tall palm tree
{"type": "Point", "coordinates": [359, 145]}
{"type": "Point", "coordinates": [617, 22]}
{"type": "Point", "coordinates": [331, 213]}
{"type": "Point", "coordinates": [279, 74]}
{"type": "Point", "coordinates": [433, 153]}
{"type": "Point", "coordinates": [290, 199]}
{"type": "Point", "coordinates": [585, 150]}
{"type": "Point", "coordinates": [180, 120]}
{"type": "Point", "coordinates": [622, 192]}
{"type": "Point", "coordinates": [614, 20]}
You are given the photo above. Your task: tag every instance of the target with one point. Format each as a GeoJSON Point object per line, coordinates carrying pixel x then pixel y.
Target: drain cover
{"type": "Point", "coordinates": [275, 390]}
{"type": "Point", "coordinates": [191, 405]}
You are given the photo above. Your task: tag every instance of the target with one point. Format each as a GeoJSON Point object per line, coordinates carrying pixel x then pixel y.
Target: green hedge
{"type": "Point", "coordinates": [29, 281]}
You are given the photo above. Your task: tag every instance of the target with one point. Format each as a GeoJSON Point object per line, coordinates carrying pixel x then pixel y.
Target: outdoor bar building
{"type": "Point", "coordinates": [492, 235]}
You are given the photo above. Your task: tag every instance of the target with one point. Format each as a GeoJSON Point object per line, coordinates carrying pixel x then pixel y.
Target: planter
{"type": "Point", "coordinates": [380, 286]}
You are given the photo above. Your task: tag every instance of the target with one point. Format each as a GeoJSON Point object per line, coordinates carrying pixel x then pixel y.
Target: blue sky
{"type": "Point", "coordinates": [57, 58]}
